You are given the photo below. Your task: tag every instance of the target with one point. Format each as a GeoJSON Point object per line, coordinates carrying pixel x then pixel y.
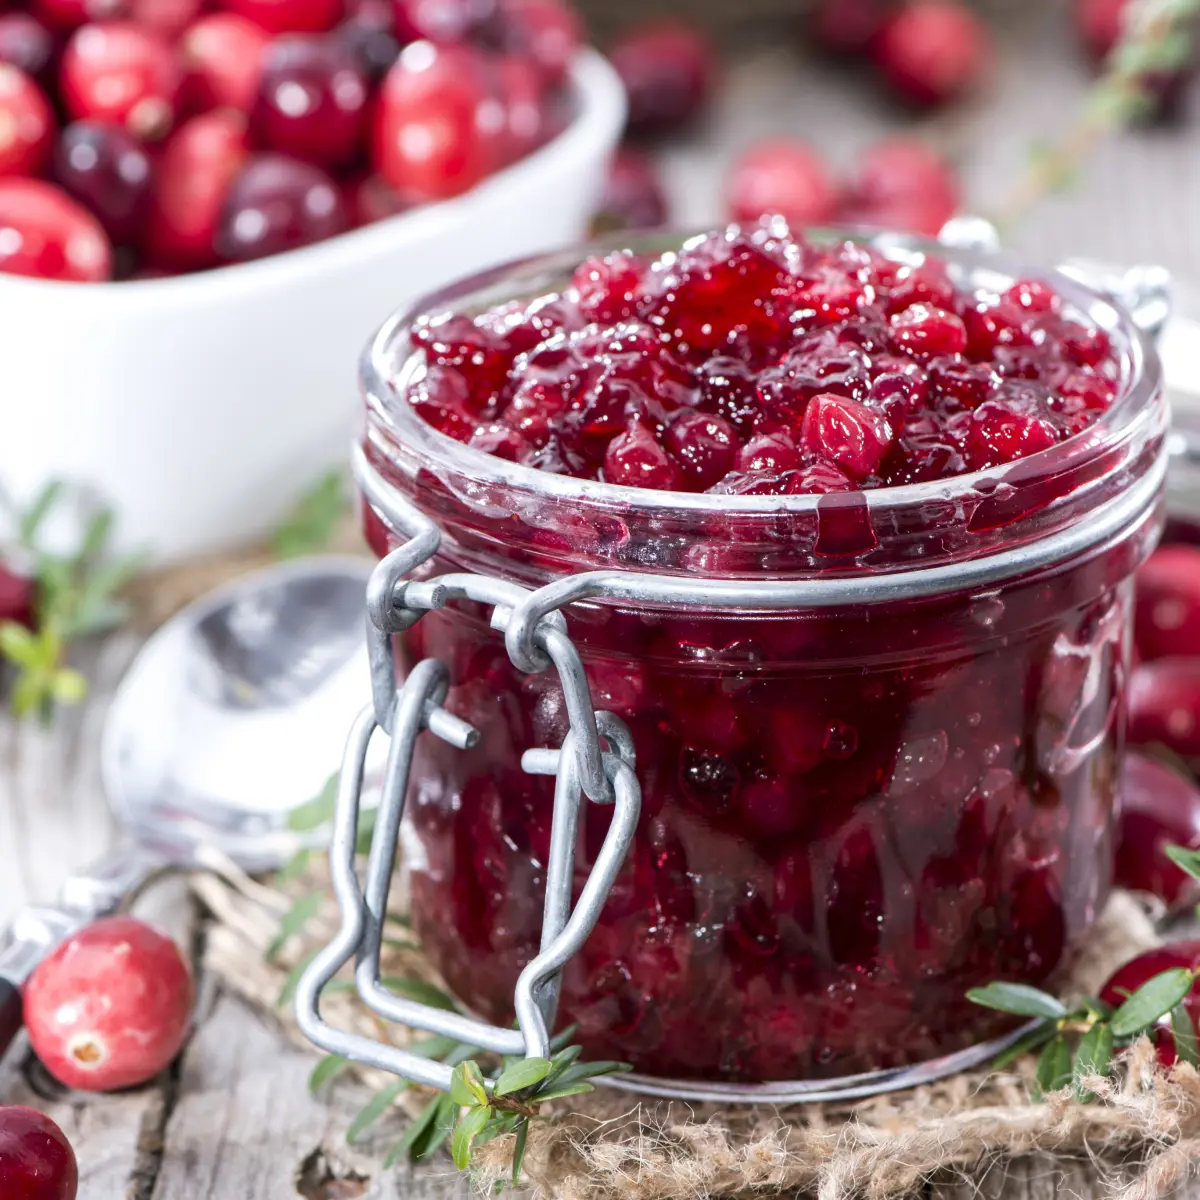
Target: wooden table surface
{"type": "Point", "coordinates": [234, 1120]}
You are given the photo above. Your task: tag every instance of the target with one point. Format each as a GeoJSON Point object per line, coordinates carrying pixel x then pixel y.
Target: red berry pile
{"type": "Point", "coordinates": [1129, 977]}
{"type": "Point", "coordinates": [36, 1160]}
{"type": "Point", "coordinates": [111, 1006]}
{"type": "Point", "coordinates": [751, 361]}
{"type": "Point", "coordinates": [148, 137]}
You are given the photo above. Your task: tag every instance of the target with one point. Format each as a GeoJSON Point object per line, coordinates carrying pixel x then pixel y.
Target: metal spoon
{"type": "Point", "coordinates": [232, 714]}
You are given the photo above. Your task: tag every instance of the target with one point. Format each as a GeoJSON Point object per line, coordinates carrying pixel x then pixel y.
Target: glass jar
{"type": "Point", "coordinates": [856, 806]}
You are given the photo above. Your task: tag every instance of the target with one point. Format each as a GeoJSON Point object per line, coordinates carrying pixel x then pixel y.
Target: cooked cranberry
{"type": "Point", "coordinates": [901, 184]}
{"type": "Point", "coordinates": [703, 445]}
{"type": "Point", "coordinates": [17, 594]}
{"type": "Point", "coordinates": [222, 55]}
{"type": "Point", "coordinates": [116, 71]}
{"type": "Point", "coordinates": [1159, 808]}
{"type": "Point", "coordinates": [438, 121]}
{"type": "Point", "coordinates": [1128, 978]}
{"type": "Point", "coordinates": [769, 454]}
{"type": "Point", "coordinates": [28, 45]}
{"type": "Point", "coordinates": [44, 233]}
{"type": "Point", "coordinates": [36, 1160]}
{"type": "Point", "coordinates": [847, 26]}
{"type": "Point", "coordinates": [926, 332]}
{"type": "Point", "coordinates": [635, 459]}
{"type": "Point", "coordinates": [66, 15]}
{"type": "Point", "coordinates": [1167, 615]}
{"type": "Point", "coordinates": [312, 100]}
{"type": "Point", "coordinates": [847, 433]}
{"type": "Point", "coordinates": [1164, 705]}
{"type": "Point", "coordinates": [781, 176]}
{"type": "Point", "coordinates": [608, 289]}
{"type": "Point", "coordinates": [932, 50]}
{"type": "Point", "coordinates": [278, 204]}
{"type": "Point", "coordinates": [368, 33]}
{"type": "Point", "coordinates": [194, 174]}
{"type": "Point", "coordinates": [110, 1008]}
{"type": "Point", "coordinates": [668, 69]}
{"type": "Point", "coordinates": [26, 124]}
{"type": "Point", "coordinates": [289, 16]}
{"type": "Point", "coordinates": [633, 196]}
{"type": "Point", "coordinates": [107, 169]}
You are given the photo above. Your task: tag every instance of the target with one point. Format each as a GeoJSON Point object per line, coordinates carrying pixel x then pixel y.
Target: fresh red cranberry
{"type": "Point", "coordinates": [26, 124]}
{"type": "Point", "coordinates": [445, 22]}
{"type": "Point", "coordinates": [167, 18]}
{"type": "Point", "coordinates": [904, 185]}
{"type": "Point", "coordinates": [438, 122]}
{"type": "Point", "coordinates": [116, 71]}
{"type": "Point", "coordinates": [781, 176]}
{"type": "Point", "coordinates": [927, 332]}
{"type": "Point", "coordinates": [36, 1160]}
{"type": "Point", "coordinates": [1159, 808]}
{"type": "Point", "coordinates": [1164, 705]}
{"type": "Point", "coordinates": [18, 594]}
{"type": "Point", "coordinates": [1128, 978]}
{"type": "Point", "coordinates": [847, 433]}
{"type": "Point", "coordinates": [67, 15]}
{"type": "Point", "coordinates": [278, 204]}
{"type": "Point", "coordinates": [703, 445]}
{"type": "Point", "coordinates": [312, 100]}
{"type": "Point", "coordinates": [195, 171]}
{"type": "Point", "coordinates": [635, 459]}
{"type": "Point", "coordinates": [527, 125]}
{"type": "Point", "coordinates": [45, 234]}
{"type": "Point", "coordinates": [932, 51]}
{"type": "Point", "coordinates": [25, 43]}
{"type": "Point", "coordinates": [289, 16]}
{"type": "Point", "coordinates": [369, 34]}
{"type": "Point", "coordinates": [1167, 614]}
{"type": "Point", "coordinates": [110, 1008]}
{"type": "Point", "coordinates": [222, 56]}
{"type": "Point", "coordinates": [847, 27]}
{"type": "Point", "coordinates": [109, 171]}
{"type": "Point", "coordinates": [633, 195]}
{"type": "Point", "coordinates": [1101, 23]}
{"type": "Point", "coordinates": [548, 32]}
{"type": "Point", "coordinates": [668, 69]}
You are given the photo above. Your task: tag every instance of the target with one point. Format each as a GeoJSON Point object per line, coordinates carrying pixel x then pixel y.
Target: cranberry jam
{"type": "Point", "coordinates": [854, 808]}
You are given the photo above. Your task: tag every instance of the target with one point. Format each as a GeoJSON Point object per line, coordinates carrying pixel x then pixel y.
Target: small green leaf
{"type": "Point", "coordinates": [556, 1091]}
{"type": "Point", "coordinates": [316, 812]}
{"type": "Point", "coordinates": [443, 1126]}
{"type": "Point", "coordinates": [1093, 1057]}
{"type": "Point", "coordinates": [39, 509]}
{"type": "Point", "coordinates": [562, 1060]}
{"type": "Point", "coordinates": [294, 921]}
{"type": "Point", "coordinates": [18, 645]}
{"type": "Point", "coordinates": [1018, 998]}
{"type": "Point", "coordinates": [472, 1123]}
{"type": "Point", "coordinates": [522, 1075]}
{"type": "Point", "coordinates": [420, 991]}
{"type": "Point", "coordinates": [588, 1070]}
{"type": "Point", "coordinates": [436, 1046]}
{"type": "Point", "coordinates": [328, 1068]}
{"type": "Point", "coordinates": [416, 1131]}
{"type": "Point", "coordinates": [1054, 1066]}
{"type": "Point", "coordinates": [1183, 1029]}
{"type": "Point", "coordinates": [1025, 1044]}
{"type": "Point", "coordinates": [68, 686]}
{"type": "Point", "coordinates": [374, 1109]}
{"type": "Point", "coordinates": [1188, 860]}
{"type": "Point", "coordinates": [310, 526]}
{"type": "Point", "coordinates": [1154, 999]}
{"type": "Point", "coordinates": [498, 1126]}
{"type": "Point", "coordinates": [519, 1151]}
{"type": "Point", "coordinates": [466, 1085]}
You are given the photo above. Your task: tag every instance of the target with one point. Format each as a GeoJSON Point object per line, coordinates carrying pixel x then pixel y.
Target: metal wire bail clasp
{"type": "Point", "coordinates": [582, 766]}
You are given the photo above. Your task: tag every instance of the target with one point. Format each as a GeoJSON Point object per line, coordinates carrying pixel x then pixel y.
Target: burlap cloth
{"type": "Point", "coordinates": [1142, 1133]}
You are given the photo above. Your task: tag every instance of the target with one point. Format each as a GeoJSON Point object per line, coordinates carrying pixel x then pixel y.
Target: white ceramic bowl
{"type": "Point", "coordinates": [200, 407]}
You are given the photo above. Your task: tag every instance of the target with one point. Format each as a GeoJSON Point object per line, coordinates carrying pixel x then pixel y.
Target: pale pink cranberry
{"type": "Point", "coordinates": [289, 16]}
{"type": "Point", "coordinates": [222, 55]}
{"type": "Point", "coordinates": [703, 445]}
{"type": "Point", "coordinates": [36, 1160]}
{"type": "Point", "coordinates": [1167, 615]}
{"type": "Point", "coordinates": [26, 124]}
{"type": "Point", "coordinates": [25, 43]}
{"type": "Point", "coordinates": [932, 50]}
{"type": "Point", "coordinates": [109, 171]}
{"type": "Point", "coordinates": [635, 459]}
{"type": "Point", "coordinates": [926, 332]}
{"type": "Point", "coordinates": [1127, 979]}
{"type": "Point", "coordinates": [312, 100]}
{"type": "Point", "coordinates": [668, 69]}
{"type": "Point", "coordinates": [633, 195]}
{"type": "Point", "coordinates": [1159, 808]}
{"type": "Point", "coordinates": [47, 235]}
{"type": "Point", "coordinates": [438, 122]}
{"type": "Point", "coordinates": [278, 204]}
{"type": "Point", "coordinates": [110, 1008]}
{"type": "Point", "coordinates": [847, 433]}
{"type": "Point", "coordinates": [195, 172]}
{"type": "Point", "coordinates": [67, 15]}
{"type": "Point", "coordinates": [783, 176]}
{"type": "Point", "coordinates": [549, 32]}
{"type": "Point", "coordinates": [116, 71]}
{"type": "Point", "coordinates": [1164, 705]}
{"type": "Point", "coordinates": [904, 185]}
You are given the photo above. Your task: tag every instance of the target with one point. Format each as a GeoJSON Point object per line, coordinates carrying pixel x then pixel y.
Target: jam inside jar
{"type": "Point", "coordinates": [855, 807]}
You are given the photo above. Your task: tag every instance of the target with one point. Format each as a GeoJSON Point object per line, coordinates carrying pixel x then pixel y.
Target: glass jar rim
{"type": "Point", "coordinates": [1111, 443]}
